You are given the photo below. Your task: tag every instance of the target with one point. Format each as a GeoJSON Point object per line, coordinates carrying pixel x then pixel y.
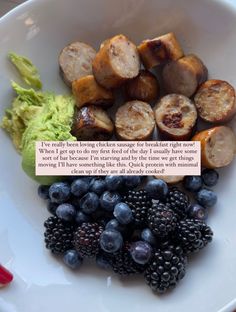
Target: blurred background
{"type": "Point", "coordinates": [7, 5]}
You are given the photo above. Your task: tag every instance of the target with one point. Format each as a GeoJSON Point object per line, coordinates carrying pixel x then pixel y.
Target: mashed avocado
{"type": "Point", "coordinates": [27, 70]}
{"type": "Point", "coordinates": [36, 116]}
{"type": "Point", "coordinates": [52, 123]}
{"type": "Point", "coordinates": [25, 106]}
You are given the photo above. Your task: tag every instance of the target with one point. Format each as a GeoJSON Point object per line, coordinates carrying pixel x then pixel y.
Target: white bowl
{"type": "Point", "coordinates": [40, 29]}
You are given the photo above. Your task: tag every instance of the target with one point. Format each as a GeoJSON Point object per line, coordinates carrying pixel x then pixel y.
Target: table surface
{"type": "Point", "coordinates": [7, 5]}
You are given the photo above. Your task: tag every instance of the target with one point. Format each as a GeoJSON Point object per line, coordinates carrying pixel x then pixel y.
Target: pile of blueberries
{"type": "Point", "coordinates": [80, 203]}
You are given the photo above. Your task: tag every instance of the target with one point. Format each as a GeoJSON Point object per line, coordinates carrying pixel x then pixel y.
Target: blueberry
{"type": "Point", "coordinates": [198, 212]}
{"type": "Point", "coordinates": [148, 237]}
{"type": "Point", "coordinates": [87, 179]}
{"type": "Point", "coordinates": [97, 186]}
{"type": "Point", "coordinates": [113, 224]}
{"type": "Point", "coordinates": [52, 207]}
{"type": "Point", "coordinates": [123, 213]}
{"type": "Point", "coordinates": [81, 217]}
{"type": "Point", "coordinates": [108, 200]}
{"type": "Point", "coordinates": [206, 198]}
{"type": "Point", "coordinates": [193, 183]}
{"type": "Point", "coordinates": [102, 262]}
{"type": "Point", "coordinates": [59, 192]}
{"type": "Point", "coordinates": [66, 212]}
{"type": "Point", "coordinates": [111, 241]}
{"type": "Point", "coordinates": [157, 189]}
{"type": "Point", "coordinates": [72, 259]}
{"type": "Point", "coordinates": [89, 202]}
{"type": "Point", "coordinates": [43, 191]}
{"type": "Point", "coordinates": [79, 187]}
{"type": "Point", "coordinates": [131, 181]}
{"type": "Point", "coordinates": [141, 252]}
{"type": "Point", "coordinates": [75, 202]}
{"type": "Point", "coordinates": [113, 183]}
{"type": "Point", "coordinates": [210, 177]}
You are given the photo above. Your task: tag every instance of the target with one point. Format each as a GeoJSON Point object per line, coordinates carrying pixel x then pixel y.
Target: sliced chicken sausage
{"type": "Point", "coordinates": [144, 87]}
{"type": "Point", "coordinates": [134, 121]}
{"type": "Point", "coordinates": [160, 50]}
{"type": "Point", "coordinates": [215, 101]}
{"type": "Point", "coordinates": [87, 91]}
{"type": "Point", "coordinates": [176, 117]}
{"type": "Point", "coordinates": [75, 61]}
{"type": "Point", "coordinates": [116, 62]}
{"type": "Point", "coordinates": [218, 146]}
{"type": "Point", "coordinates": [184, 75]}
{"type": "Point", "coordinates": [92, 123]}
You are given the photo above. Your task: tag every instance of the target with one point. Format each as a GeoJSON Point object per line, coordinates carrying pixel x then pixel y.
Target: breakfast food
{"type": "Point", "coordinates": [25, 106]}
{"type": "Point", "coordinates": [160, 50]}
{"type": "Point", "coordinates": [92, 123]}
{"type": "Point", "coordinates": [176, 117]}
{"type": "Point", "coordinates": [144, 87]}
{"type": "Point", "coordinates": [87, 91]}
{"type": "Point", "coordinates": [218, 146]}
{"type": "Point", "coordinates": [133, 235]}
{"type": "Point", "coordinates": [178, 201]}
{"type": "Point", "coordinates": [184, 75]}
{"type": "Point", "coordinates": [164, 272]}
{"type": "Point", "coordinates": [139, 202]}
{"type": "Point", "coordinates": [27, 70]}
{"type": "Point", "coordinates": [215, 101]}
{"type": "Point", "coordinates": [75, 61]}
{"type": "Point", "coordinates": [35, 116]}
{"type": "Point", "coordinates": [134, 121]}
{"type": "Point", "coordinates": [116, 62]}
{"type": "Point", "coordinates": [193, 235]}
{"type": "Point", "coordinates": [52, 123]}
{"type": "Point", "coordinates": [128, 224]}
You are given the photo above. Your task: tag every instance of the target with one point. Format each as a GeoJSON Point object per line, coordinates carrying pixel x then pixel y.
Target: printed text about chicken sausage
{"type": "Point", "coordinates": [118, 158]}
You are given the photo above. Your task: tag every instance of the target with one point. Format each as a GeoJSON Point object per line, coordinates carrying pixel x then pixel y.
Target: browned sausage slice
{"type": "Point", "coordinates": [176, 117]}
{"type": "Point", "coordinates": [184, 75]}
{"type": "Point", "coordinates": [215, 101]}
{"type": "Point", "coordinates": [116, 62]}
{"type": "Point", "coordinates": [134, 121]}
{"type": "Point", "coordinates": [87, 91]}
{"type": "Point", "coordinates": [160, 50]}
{"type": "Point", "coordinates": [144, 87]}
{"type": "Point", "coordinates": [170, 179]}
{"type": "Point", "coordinates": [92, 123]}
{"type": "Point", "coordinates": [75, 61]}
{"type": "Point", "coordinates": [218, 146]}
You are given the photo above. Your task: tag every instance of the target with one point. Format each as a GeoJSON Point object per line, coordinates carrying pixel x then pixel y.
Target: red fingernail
{"type": "Point", "coordinates": [5, 276]}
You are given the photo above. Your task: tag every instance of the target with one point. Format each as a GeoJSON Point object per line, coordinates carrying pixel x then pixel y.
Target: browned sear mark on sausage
{"type": "Point", "coordinates": [173, 120]}
{"type": "Point", "coordinates": [114, 50]}
{"type": "Point", "coordinates": [159, 50]}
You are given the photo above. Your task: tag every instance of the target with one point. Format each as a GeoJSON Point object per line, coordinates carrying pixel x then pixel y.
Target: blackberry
{"type": "Point", "coordinates": [139, 202]}
{"type": "Point", "coordinates": [166, 268]}
{"type": "Point", "coordinates": [86, 239]}
{"type": "Point", "coordinates": [122, 263]}
{"type": "Point", "coordinates": [58, 236]}
{"type": "Point", "coordinates": [193, 235]}
{"type": "Point", "coordinates": [178, 202]}
{"type": "Point", "coordinates": [161, 219]}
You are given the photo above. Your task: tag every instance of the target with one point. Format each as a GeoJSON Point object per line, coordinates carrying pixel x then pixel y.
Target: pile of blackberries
{"type": "Point", "coordinates": [129, 224]}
